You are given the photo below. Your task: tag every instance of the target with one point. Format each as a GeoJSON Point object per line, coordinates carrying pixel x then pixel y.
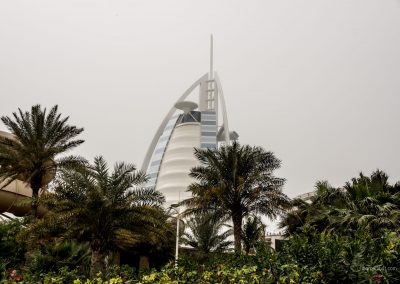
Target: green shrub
{"type": "Point", "coordinates": [12, 250]}
{"type": "Point", "coordinates": [54, 257]}
{"type": "Point", "coordinates": [307, 257]}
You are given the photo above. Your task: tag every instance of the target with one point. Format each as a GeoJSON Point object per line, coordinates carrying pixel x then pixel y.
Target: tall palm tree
{"type": "Point", "coordinates": [236, 181]}
{"type": "Point", "coordinates": [108, 210]}
{"type": "Point", "coordinates": [206, 234]}
{"type": "Point", "coordinates": [253, 232]}
{"type": "Point", "coordinates": [33, 154]}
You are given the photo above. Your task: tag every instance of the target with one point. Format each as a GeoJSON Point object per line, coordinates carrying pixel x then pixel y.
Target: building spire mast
{"type": "Point", "coordinates": [211, 75]}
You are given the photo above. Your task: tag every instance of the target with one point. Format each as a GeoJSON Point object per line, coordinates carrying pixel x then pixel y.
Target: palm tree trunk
{"type": "Point", "coordinates": [34, 204]}
{"type": "Point", "coordinates": [96, 261]}
{"type": "Point", "coordinates": [247, 249]}
{"type": "Point", "coordinates": [115, 258]}
{"type": "Point", "coordinates": [144, 262]}
{"type": "Point", "coordinates": [237, 232]}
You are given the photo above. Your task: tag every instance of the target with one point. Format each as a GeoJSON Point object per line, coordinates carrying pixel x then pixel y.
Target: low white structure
{"type": "Point", "coordinates": [13, 193]}
{"type": "Point", "coordinates": [275, 239]}
{"type": "Point", "coordinates": [306, 196]}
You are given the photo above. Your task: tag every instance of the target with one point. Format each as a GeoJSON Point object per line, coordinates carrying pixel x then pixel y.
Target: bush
{"type": "Point", "coordinates": [58, 256]}
{"type": "Point", "coordinates": [343, 259]}
{"type": "Point", "coordinates": [12, 250]}
{"type": "Point", "coordinates": [221, 274]}
{"type": "Point", "coordinates": [307, 257]}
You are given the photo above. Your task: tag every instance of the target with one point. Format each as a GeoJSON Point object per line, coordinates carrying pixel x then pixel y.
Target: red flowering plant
{"type": "Point", "coordinates": [377, 278]}
{"type": "Point", "coordinates": [15, 275]}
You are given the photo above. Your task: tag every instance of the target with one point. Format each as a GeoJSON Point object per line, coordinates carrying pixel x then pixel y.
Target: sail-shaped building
{"type": "Point", "coordinates": [189, 124]}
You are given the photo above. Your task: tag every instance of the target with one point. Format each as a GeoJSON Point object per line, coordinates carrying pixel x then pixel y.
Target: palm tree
{"type": "Point", "coordinates": [295, 218]}
{"type": "Point", "coordinates": [205, 234]}
{"type": "Point", "coordinates": [235, 181]}
{"type": "Point", "coordinates": [364, 202]}
{"type": "Point", "coordinates": [32, 156]}
{"type": "Point", "coordinates": [108, 210]}
{"type": "Point", "coordinates": [370, 202]}
{"type": "Point", "coordinates": [253, 232]}
{"type": "Point", "coordinates": [314, 212]}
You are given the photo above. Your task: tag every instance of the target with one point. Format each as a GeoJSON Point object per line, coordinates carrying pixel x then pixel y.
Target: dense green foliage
{"type": "Point", "coordinates": [12, 250]}
{"type": "Point", "coordinates": [55, 256]}
{"type": "Point", "coordinates": [308, 257]}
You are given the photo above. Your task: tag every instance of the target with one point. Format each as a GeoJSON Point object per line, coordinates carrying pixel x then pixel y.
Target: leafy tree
{"type": "Point", "coordinates": [206, 234]}
{"type": "Point", "coordinates": [106, 209]}
{"type": "Point", "coordinates": [235, 181]}
{"type": "Point", "coordinates": [253, 232]}
{"type": "Point", "coordinates": [33, 154]}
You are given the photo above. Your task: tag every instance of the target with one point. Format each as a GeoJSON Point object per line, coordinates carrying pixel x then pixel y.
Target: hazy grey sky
{"type": "Point", "coordinates": [316, 82]}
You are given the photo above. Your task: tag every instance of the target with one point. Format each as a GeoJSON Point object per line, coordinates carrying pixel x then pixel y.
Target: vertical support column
{"type": "Point", "coordinates": [211, 82]}
{"type": "Point", "coordinates": [224, 113]}
{"type": "Point", "coordinates": [203, 95]}
{"type": "Point", "coordinates": [207, 96]}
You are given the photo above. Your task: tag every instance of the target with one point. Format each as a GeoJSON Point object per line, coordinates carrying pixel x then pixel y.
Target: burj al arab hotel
{"type": "Point", "coordinates": [198, 119]}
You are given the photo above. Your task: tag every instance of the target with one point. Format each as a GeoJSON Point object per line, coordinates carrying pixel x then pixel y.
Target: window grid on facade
{"type": "Point", "coordinates": [208, 138]}
{"type": "Point", "coordinates": [155, 162]}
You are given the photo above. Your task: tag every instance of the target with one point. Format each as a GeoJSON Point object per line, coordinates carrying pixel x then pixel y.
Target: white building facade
{"type": "Point", "coordinates": [188, 125]}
